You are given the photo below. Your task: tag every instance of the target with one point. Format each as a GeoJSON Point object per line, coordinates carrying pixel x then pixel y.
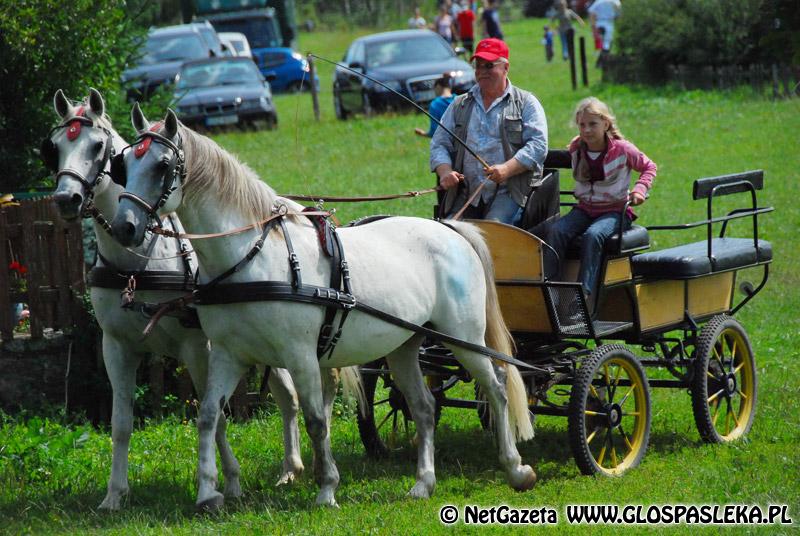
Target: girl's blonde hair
{"type": "Point", "coordinates": [595, 106]}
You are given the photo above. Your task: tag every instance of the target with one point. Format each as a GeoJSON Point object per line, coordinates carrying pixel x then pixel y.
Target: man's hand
{"type": "Point", "coordinates": [636, 198]}
{"type": "Point", "coordinates": [420, 132]}
{"type": "Point", "coordinates": [500, 173]}
{"type": "Point", "coordinates": [451, 179]}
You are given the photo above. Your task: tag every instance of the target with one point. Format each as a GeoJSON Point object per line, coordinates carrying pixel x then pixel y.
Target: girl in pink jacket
{"type": "Point", "coordinates": [602, 161]}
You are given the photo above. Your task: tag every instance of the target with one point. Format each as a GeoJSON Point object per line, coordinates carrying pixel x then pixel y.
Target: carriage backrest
{"type": "Point", "coordinates": [728, 184]}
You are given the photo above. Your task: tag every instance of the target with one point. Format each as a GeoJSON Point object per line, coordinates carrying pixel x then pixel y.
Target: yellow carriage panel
{"type": "Point", "coordinates": [524, 308]}
{"type": "Point", "coordinates": [517, 254]}
{"type": "Point", "coordinates": [710, 294]}
{"type": "Point", "coordinates": [618, 270]}
{"type": "Point", "coordinates": [660, 303]}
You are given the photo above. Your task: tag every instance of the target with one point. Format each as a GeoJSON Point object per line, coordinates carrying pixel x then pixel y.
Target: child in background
{"type": "Point", "coordinates": [602, 161]}
{"type": "Point", "coordinates": [437, 107]}
{"type": "Point", "coordinates": [547, 41]}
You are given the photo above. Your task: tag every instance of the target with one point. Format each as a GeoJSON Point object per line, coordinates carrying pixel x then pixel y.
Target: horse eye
{"type": "Point", "coordinates": [98, 146]}
{"type": "Point", "coordinates": [163, 164]}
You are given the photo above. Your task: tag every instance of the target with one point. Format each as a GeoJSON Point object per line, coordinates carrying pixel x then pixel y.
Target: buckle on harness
{"type": "Point", "coordinates": [347, 301]}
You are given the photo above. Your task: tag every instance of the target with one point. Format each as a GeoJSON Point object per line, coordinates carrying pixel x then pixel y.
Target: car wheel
{"type": "Point", "coordinates": [341, 113]}
{"type": "Point", "coordinates": [366, 105]}
{"type": "Point", "coordinates": [272, 122]}
{"type": "Point", "coordinates": [297, 86]}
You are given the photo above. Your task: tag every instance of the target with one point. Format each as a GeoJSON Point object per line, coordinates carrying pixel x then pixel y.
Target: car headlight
{"type": "Point", "coordinates": [297, 56]}
{"type": "Point", "coordinates": [264, 102]}
{"type": "Point", "coordinates": [461, 78]}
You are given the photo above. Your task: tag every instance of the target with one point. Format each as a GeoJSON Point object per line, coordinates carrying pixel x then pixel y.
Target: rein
{"type": "Point", "coordinates": [317, 198]}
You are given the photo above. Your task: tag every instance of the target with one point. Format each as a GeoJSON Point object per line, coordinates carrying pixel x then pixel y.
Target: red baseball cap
{"type": "Point", "coordinates": [491, 49]}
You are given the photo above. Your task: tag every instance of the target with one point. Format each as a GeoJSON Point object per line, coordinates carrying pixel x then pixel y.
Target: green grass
{"type": "Point", "coordinates": [52, 477]}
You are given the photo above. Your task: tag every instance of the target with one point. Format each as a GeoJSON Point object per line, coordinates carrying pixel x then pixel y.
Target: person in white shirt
{"type": "Point", "coordinates": [603, 13]}
{"type": "Point", "coordinates": [417, 22]}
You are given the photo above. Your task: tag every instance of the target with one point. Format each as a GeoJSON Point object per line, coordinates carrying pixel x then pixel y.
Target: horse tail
{"type": "Point", "coordinates": [352, 387]}
{"type": "Point", "coordinates": [497, 336]}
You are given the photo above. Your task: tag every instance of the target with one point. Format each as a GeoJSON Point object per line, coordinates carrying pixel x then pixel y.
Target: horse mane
{"type": "Point", "coordinates": [211, 168]}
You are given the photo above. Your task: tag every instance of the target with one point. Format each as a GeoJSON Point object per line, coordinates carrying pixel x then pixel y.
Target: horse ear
{"type": "Point", "coordinates": [96, 102]}
{"type": "Point", "coordinates": [61, 104]}
{"type": "Point", "coordinates": [138, 120]}
{"type": "Point", "coordinates": [170, 124]}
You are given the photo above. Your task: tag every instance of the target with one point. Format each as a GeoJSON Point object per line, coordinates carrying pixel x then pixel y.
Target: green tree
{"type": "Point", "coordinates": [46, 45]}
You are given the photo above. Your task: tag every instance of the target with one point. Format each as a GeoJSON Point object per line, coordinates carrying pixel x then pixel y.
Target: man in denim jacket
{"type": "Point", "coordinates": [503, 124]}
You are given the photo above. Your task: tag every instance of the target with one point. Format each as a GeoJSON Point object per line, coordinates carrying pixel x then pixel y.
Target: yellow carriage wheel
{"type": "Point", "coordinates": [724, 386]}
{"type": "Point", "coordinates": [609, 412]}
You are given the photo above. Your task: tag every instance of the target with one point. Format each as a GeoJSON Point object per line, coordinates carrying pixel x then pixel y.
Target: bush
{"type": "Point", "coordinates": [46, 45]}
{"type": "Point", "coordinates": [654, 34]}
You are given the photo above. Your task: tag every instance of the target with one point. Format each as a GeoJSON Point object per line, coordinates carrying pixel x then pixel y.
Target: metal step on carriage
{"type": "Point", "coordinates": [677, 305]}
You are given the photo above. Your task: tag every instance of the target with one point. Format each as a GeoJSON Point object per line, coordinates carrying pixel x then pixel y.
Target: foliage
{"type": "Point", "coordinates": [653, 34]}
{"type": "Point", "coordinates": [46, 45]}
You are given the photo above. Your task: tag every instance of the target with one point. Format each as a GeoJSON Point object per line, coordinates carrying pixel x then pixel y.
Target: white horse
{"type": "Point", "coordinates": [78, 153]}
{"type": "Point", "coordinates": [418, 270]}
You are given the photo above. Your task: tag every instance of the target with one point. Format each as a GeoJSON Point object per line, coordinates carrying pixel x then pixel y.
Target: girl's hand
{"type": "Point", "coordinates": [636, 198]}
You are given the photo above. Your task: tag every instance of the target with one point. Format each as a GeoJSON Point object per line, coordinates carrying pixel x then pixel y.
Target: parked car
{"type": "Point", "coordinates": [165, 51]}
{"type": "Point", "coordinates": [408, 61]}
{"type": "Point", "coordinates": [237, 44]}
{"type": "Point", "coordinates": [283, 67]}
{"type": "Point", "coordinates": [224, 91]}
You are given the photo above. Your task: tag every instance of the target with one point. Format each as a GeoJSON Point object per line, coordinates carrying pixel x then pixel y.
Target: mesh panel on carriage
{"type": "Point", "coordinates": [571, 315]}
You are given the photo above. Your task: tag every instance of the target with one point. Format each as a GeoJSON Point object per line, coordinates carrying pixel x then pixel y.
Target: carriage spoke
{"type": "Point", "coordinates": [592, 435]}
{"type": "Point", "coordinates": [734, 349]}
{"type": "Point", "coordinates": [631, 414]}
{"type": "Point", "coordinates": [378, 403]}
{"type": "Point", "coordinates": [728, 420]}
{"type": "Point", "coordinates": [716, 355]}
{"type": "Point", "coordinates": [715, 395]}
{"type": "Point", "coordinates": [594, 391]}
{"type": "Point", "coordinates": [737, 369]}
{"type": "Point", "coordinates": [741, 394]}
{"type": "Point", "coordinates": [716, 414]}
{"type": "Point", "coordinates": [386, 418]}
{"type": "Point", "coordinates": [613, 456]}
{"type": "Point", "coordinates": [594, 413]}
{"type": "Point", "coordinates": [615, 384]}
{"type": "Point", "coordinates": [733, 414]}
{"type": "Point", "coordinates": [708, 373]}
{"type": "Point", "coordinates": [626, 439]}
{"type": "Point", "coordinates": [625, 398]}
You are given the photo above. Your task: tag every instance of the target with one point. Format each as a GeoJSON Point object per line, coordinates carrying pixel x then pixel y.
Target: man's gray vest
{"type": "Point", "coordinates": [519, 186]}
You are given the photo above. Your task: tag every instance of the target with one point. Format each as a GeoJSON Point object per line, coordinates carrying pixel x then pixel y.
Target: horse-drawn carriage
{"type": "Point", "coordinates": [675, 304]}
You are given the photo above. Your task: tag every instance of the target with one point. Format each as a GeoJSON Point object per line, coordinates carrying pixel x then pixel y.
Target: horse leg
{"type": "Point", "coordinates": [195, 355]}
{"type": "Point", "coordinates": [282, 389]}
{"type": "Point", "coordinates": [330, 382]}
{"type": "Point", "coordinates": [224, 373]}
{"type": "Point", "coordinates": [520, 477]}
{"type": "Point", "coordinates": [121, 364]}
{"type": "Point", "coordinates": [404, 364]}
{"type": "Point", "coordinates": [306, 376]}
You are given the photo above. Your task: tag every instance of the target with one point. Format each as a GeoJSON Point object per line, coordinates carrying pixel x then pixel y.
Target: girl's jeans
{"type": "Point", "coordinates": [595, 232]}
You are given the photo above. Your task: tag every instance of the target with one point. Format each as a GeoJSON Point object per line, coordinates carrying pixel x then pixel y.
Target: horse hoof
{"type": "Point", "coordinates": [527, 479]}
{"type": "Point", "coordinates": [110, 504]}
{"type": "Point", "coordinates": [232, 489]}
{"type": "Point", "coordinates": [326, 499]}
{"type": "Point", "coordinates": [212, 504]}
{"type": "Point", "coordinates": [286, 478]}
{"type": "Point", "coordinates": [420, 491]}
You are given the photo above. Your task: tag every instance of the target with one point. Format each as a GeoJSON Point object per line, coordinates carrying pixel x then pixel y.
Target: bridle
{"type": "Point", "coordinates": [175, 171]}
{"type": "Point", "coordinates": [49, 155]}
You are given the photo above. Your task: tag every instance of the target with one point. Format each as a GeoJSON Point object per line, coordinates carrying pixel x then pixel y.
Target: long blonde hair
{"type": "Point", "coordinates": [594, 106]}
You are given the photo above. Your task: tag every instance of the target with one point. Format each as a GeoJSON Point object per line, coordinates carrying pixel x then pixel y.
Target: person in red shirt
{"type": "Point", "coordinates": [466, 28]}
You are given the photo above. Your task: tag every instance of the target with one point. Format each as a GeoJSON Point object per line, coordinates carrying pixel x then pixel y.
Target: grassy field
{"type": "Point", "coordinates": [52, 476]}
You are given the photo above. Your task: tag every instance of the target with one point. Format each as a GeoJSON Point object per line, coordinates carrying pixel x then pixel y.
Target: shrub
{"type": "Point", "coordinates": [654, 34]}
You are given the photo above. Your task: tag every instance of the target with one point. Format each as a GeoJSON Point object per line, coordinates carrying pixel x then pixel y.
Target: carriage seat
{"type": "Point", "coordinates": [634, 239]}
{"type": "Point", "coordinates": [692, 260]}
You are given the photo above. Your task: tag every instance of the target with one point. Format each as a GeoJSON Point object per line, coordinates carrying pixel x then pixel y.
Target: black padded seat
{"type": "Point", "coordinates": [692, 260]}
{"type": "Point", "coordinates": [633, 239]}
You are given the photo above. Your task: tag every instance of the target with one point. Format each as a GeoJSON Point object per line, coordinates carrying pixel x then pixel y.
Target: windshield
{"type": "Point", "coordinates": [220, 73]}
{"type": "Point", "coordinates": [174, 48]}
{"type": "Point", "coordinates": [419, 50]}
{"type": "Point", "coordinates": [261, 32]}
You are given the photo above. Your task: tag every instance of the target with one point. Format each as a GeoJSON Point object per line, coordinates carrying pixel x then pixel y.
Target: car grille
{"type": "Point", "coordinates": [421, 89]}
{"type": "Point", "coordinates": [219, 108]}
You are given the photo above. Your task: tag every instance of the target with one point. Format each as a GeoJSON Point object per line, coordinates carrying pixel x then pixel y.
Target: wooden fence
{"type": "Point", "coordinates": [41, 265]}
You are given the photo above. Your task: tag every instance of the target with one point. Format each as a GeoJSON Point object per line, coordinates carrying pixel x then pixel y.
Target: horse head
{"type": "Point", "coordinates": [151, 171]}
{"type": "Point", "coordinates": [77, 151]}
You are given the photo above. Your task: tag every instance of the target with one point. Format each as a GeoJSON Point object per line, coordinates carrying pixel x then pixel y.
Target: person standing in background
{"type": "Point", "coordinates": [563, 17]}
{"type": "Point", "coordinates": [437, 107]}
{"type": "Point", "coordinates": [443, 24]}
{"type": "Point", "coordinates": [547, 41]}
{"type": "Point", "coordinates": [491, 20]}
{"type": "Point", "coordinates": [417, 22]}
{"type": "Point", "coordinates": [603, 13]}
{"type": "Point", "coordinates": [466, 28]}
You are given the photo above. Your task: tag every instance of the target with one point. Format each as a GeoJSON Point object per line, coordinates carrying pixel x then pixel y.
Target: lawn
{"type": "Point", "coordinates": [52, 476]}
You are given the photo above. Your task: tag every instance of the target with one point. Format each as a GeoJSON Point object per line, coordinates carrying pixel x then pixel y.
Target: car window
{"type": "Point", "coordinates": [261, 32]}
{"type": "Point", "coordinates": [221, 73]}
{"type": "Point", "coordinates": [355, 54]}
{"type": "Point", "coordinates": [174, 48]}
{"type": "Point", "coordinates": [211, 38]}
{"type": "Point", "coordinates": [422, 49]}
{"type": "Point", "coordinates": [273, 59]}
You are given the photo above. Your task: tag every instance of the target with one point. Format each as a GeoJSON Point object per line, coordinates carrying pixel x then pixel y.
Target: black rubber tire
{"type": "Point", "coordinates": [375, 445]}
{"type": "Point", "coordinates": [338, 109]}
{"type": "Point", "coordinates": [738, 367]}
{"type": "Point", "coordinates": [585, 396]}
{"type": "Point", "coordinates": [366, 105]}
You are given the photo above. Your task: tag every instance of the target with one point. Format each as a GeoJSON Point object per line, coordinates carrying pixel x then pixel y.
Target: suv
{"type": "Point", "coordinates": [165, 51]}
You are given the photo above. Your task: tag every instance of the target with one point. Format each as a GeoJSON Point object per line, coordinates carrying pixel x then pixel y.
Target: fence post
{"type": "Point", "coordinates": [312, 71]}
{"type": "Point", "coordinates": [6, 321]}
{"type": "Point", "coordinates": [571, 49]}
{"type": "Point", "coordinates": [584, 74]}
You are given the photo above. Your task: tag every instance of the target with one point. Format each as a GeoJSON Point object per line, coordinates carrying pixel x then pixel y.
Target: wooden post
{"type": "Point", "coordinates": [34, 274]}
{"type": "Point", "coordinates": [312, 72]}
{"type": "Point", "coordinates": [6, 322]}
{"type": "Point", "coordinates": [584, 75]}
{"type": "Point", "coordinates": [571, 49]}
